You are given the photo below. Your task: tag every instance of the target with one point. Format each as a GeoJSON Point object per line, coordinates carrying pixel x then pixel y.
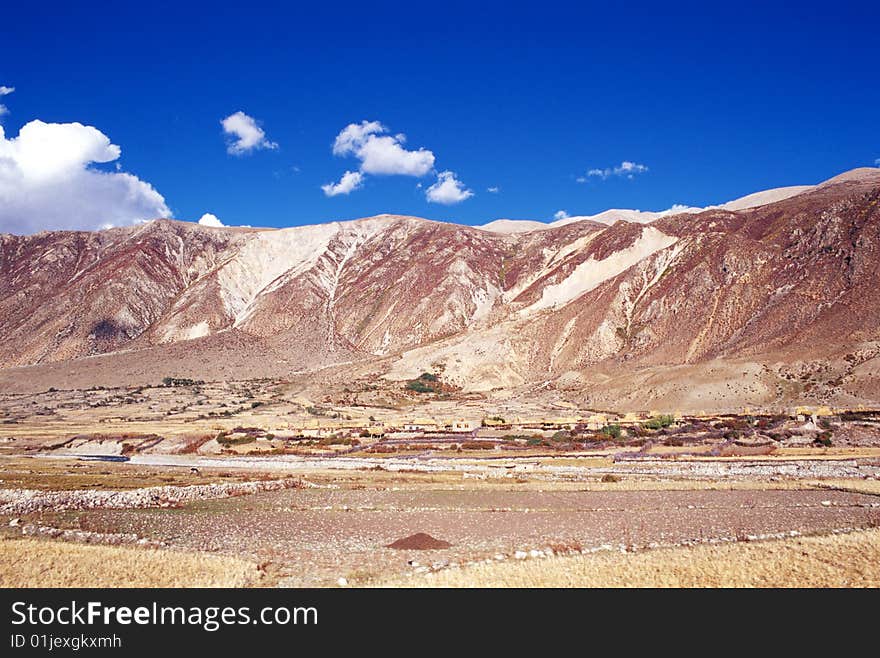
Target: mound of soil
{"type": "Point", "coordinates": [419, 542]}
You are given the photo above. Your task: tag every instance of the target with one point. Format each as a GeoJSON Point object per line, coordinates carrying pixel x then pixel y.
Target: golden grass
{"type": "Point", "coordinates": [39, 563]}
{"type": "Point", "coordinates": [850, 560]}
{"type": "Point", "coordinates": [851, 484]}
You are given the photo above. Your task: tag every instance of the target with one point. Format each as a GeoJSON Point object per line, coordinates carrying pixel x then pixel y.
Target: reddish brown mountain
{"type": "Point", "coordinates": [629, 313]}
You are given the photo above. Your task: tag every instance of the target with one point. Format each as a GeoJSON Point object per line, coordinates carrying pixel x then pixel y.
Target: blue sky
{"type": "Point", "coordinates": [714, 102]}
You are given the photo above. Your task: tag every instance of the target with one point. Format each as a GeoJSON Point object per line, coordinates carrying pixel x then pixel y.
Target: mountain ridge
{"type": "Point", "coordinates": [576, 304]}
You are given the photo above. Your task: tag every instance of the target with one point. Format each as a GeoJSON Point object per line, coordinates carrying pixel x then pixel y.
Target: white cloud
{"type": "Point", "coordinates": [625, 168]}
{"type": "Point", "coordinates": [877, 162]}
{"type": "Point", "coordinates": [210, 219]}
{"type": "Point", "coordinates": [47, 181]}
{"type": "Point", "coordinates": [560, 214]}
{"type": "Point", "coordinates": [5, 91]}
{"type": "Point", "coordinates": [350, 181]}
{"type": "Point", "coordinates": [448, 190]}
{"type": "Point", "coordinates": [354, 135]}
{"type": "Point", "coordinates": [247, 135]}
{"type": "Point", "coordinates": [493, 190]}
{"type": "Point", "coordinates": [380, 153]}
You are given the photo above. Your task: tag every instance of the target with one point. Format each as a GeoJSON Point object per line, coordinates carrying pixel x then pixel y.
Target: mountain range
{"type": "Point", "coordinates": [769, 300]}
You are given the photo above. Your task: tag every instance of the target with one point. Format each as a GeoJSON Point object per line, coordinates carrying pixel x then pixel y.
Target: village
{"type": "Point", "coordinates": [583, 431]}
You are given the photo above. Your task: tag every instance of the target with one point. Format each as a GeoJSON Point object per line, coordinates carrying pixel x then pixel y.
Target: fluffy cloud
{"type": "Point", "coordinates": [380, 153]}
{"type": "Point", "coordinates": [350, 181]}
{"type": "Point", "coordinates": [246, 136]}
{"type": "Point", "coordinates": [383, 154]}
{"type": "Point", "coordinates": [210, 219]}
{"type": "Point", "coordinates": [448, 190]}
{"type": "Point", "coordinates": [493, 190]}
{"type": "Point", "coordinates": [5, 91]}
{"type": "Point", "coordinates": [47, 181]}
{"type": "Point", "coordinates": [625, 168]}
{"type": "Point", "coordinates": [877, 162]}
{"type": "Point", "coordinates": [561, 214]}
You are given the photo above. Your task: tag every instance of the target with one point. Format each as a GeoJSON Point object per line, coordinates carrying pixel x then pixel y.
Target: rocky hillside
{"type": "Point", "coordinates": [783, 284]}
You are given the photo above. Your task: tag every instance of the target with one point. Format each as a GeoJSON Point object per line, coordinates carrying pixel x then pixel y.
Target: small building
{"type": "Point", "coordinates": [421, 425]}
{"type": "Point", "coordinates": [463, 425]}
{"type": "Point", "coordinates": [596, 421]}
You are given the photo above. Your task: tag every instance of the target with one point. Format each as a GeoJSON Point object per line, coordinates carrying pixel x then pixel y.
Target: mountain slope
{"type": "Point", "coordinates": [774, 287]}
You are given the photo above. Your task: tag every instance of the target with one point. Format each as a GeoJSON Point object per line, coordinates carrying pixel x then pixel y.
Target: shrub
{"type": "Point", "coordinates": [419, 386]}
{"type": "Point", "coordinates": [823, 439]}
{"type": "Point", "coordinates": [659, 422]}
{"type": "Point", "coordinates": [180, 381]}
{"type": "Point", "coordinates": [224, 440]}
{"type": "Point", "coordinates": [608, 477]}
{"type": "Point", "coordinates": [612, 431]}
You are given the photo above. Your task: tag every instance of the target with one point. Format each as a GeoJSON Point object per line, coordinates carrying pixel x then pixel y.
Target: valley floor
{"type": "Point", "coordinates": [224, 485]}
{"type": "Point", "coordinates": [325, 526]}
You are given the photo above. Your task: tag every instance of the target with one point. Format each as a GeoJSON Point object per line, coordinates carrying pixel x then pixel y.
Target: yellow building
{"type": "Point", "coordinates": [596, 421]}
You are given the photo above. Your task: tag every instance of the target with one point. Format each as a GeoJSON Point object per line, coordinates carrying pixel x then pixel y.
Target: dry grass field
{"type": "Point", "coordinates": [847, 560]}
{"type": "Point", "coordinates": [36, 563]}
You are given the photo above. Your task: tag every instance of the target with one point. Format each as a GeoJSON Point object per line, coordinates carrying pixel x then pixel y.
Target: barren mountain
{"type": "Point", "coordinates": [738, 304]}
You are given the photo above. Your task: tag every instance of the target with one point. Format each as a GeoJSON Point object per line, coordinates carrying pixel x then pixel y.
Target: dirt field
{"type": "Point", "coordinates": [313, 537]}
